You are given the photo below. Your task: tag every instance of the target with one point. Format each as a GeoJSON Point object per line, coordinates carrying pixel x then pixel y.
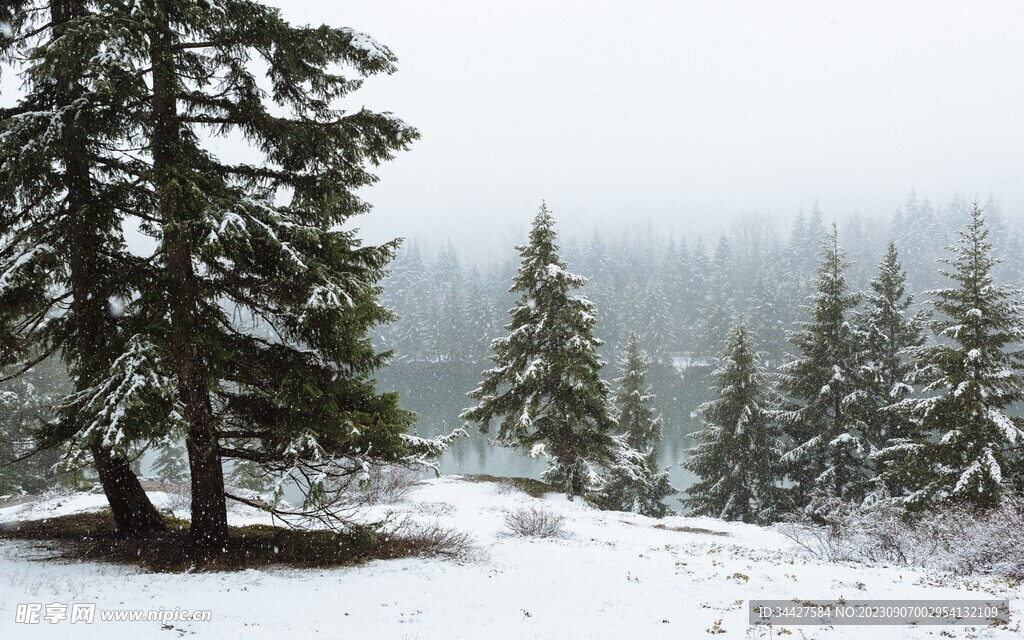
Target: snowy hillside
{"type": "Point", "coordinates": [612, 575]}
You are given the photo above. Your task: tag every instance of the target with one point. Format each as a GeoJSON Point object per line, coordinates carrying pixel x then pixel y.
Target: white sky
{"type": "Point", "coordinates": [677, 111]}
{"type": "Point", "coordinates": [686, 113]}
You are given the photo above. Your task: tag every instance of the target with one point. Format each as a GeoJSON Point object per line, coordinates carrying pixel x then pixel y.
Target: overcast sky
{"type": "Point", "coordinates": [681, 112]}
{"type": "Point", "coordinates": [671, 111]}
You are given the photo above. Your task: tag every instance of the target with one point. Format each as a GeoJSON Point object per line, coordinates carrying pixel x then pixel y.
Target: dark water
{"type": "Point", "coordinates": [437, 392]}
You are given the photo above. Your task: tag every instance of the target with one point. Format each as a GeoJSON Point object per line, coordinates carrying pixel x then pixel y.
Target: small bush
{"type": "Point", "coordinates": [179, 499]}
{"type": "Point", "coordinates": [535, 522]}
{"type": "Point", "coordinates": [388, 485]}
{"type": "Point", "coordinates": [432, 541]}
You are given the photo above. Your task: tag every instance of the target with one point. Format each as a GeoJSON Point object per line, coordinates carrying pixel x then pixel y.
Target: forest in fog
{"type": "Point", "coordinates": [678, 292]}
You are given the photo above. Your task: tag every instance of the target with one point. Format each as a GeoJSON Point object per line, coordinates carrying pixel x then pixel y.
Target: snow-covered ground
{"type": "Point", "coordinates": [614, 576]}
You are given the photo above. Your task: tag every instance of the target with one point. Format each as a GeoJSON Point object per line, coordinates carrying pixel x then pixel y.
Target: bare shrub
{"type": "Point", "coordinates": [535, 522]}
{"type": "Point", "coordinates": [179, 499]}
{"type": "Point", "coordinates": [958, 540]}
{"type": "Point", "coordinates": [388, 484]}
{"type": "Point", "coordinates": [431, 540]}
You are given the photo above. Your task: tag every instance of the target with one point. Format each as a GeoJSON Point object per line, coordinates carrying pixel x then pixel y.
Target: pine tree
{"type": "Point", "coordinates": [626, 490]}
{"type": "Point", "coordinates": [738, 454]}
{"type": "Point", "coordinates": [171, 464]}
{"type": "Point", "coordinates": [972, 374]}
{"type": "Point", "coordinates": [546, 389]}
{"type": "Point", "coordinates": [408, 291]}
{"type": "Point", "coordinates": [481, 325]}
{"type": "Point", "coordinates": [675, 279]}
{"type": "Point", "coordinates": [887, 334]}
{"type": "Point", "coordinates": [250, 477]}
{"type": "Point", "coordinates": [723, 263]}
{"type": "Point", "coordinates": [821, 419]}
{"type": "Point", "coordinates": [264, 241]}
{"type": "Point", "coordinates": [717, 315]}
{"type": "Point", "coordinates": [766, 315]}
{"type": "Point", "coordinates": [658, 333]}
{"type": "Point", "coordinates": [921, 237]}
{"type": "Point", "coordinates": [271, 238]}
{"type": "Point", "coordinates": [25, 400]}
{"type": "Point", "coordinates": [448, 320]}
{"type": "Point", "coordinates": [63, 260]}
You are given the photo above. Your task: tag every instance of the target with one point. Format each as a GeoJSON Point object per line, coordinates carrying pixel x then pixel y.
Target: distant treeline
{"type": "Point", "coordinates": [681, 294]}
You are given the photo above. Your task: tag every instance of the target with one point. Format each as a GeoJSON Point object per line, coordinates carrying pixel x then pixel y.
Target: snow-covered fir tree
{"type": "Point", "coordinates": [171, 463]}
{"type": "Point", "coordinates": [64, 263]}
{"type": "Point", "coordinates": [972, 374]}
{"type": "Point", "coordinates": [888, 331]}
{"type": "Point", "coordinates": [264, 239]}
{"type": "Point", "coordinates": [717, 315]}
{"type": "Point", "coordinates": [766, 316]}
{"type": "Point", "coordinates": [641, 431]}
{"type": "Point", "coordinates": [916, 229]}
{"type": "Point", "coordinates": [481, 325]}
{"type": "Point", "coordinates": [23, 402]}
{"type": "Point", "coordinates": [827, 451]}
{"type": "Point", "coordinates": [738, 455]}
{"type": "Point", "coordinates": [675, 280]}
{"type": "Point", "coordinates": [658, 333]}
{"type": "Point", "coordinates": [273, 237]}
{"type": "Point", "coordinates": [409, 292]}
{"type": "Point", "coordinates": [546, 389]}
{"type": "Point", "coordinates": [448, 322]}
{"type": "Point", "coordinates": [251, 477]}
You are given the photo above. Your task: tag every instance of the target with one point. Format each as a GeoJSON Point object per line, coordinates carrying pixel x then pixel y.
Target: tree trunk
{"type": "Point", "coordinates": [135, 515]}
{"type": "Point", "coordinates": [133, 512]}
{"type": "Point", "coordinates": [209, 530]}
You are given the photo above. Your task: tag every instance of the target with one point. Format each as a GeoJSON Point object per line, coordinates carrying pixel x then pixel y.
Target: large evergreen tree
{"type": "Point", "coordinates": [290, 389]}
{"type": "Point", "coordinates": [972, 374]}
{"type": "Point", "coordinates": [546, 388]}
{"type": "Point", "coordinates": [887, 334]}
{"type": "Point", "coordinates": [641, 430]}
{"type": "Point", "coordinates": [827, 449]}
{"type": "Point", "coordinates": [63, 260]}
{"type": "Point", "coordinates": [738, 455]}
{"type": "Point", "coordinates": [265, 237]}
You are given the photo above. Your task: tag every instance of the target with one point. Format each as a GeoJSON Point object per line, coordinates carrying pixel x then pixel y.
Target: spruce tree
{"type": "Point", "coordinates": [63, 260]}
{"type": "Point", "coordinates": [658, 332]}
{"type": "Point", "coordinates": [737, 458]}
{"type": "Point", "coordinates": [717, 315]}
{"type": "Point", "coordinates": [767, 319]}
{"type": "Point", "coordinates": [674, 283]}
{"type": "Point", "coordinates": [171, 464]}
{"type": "Point", "coordinates": [409, 293]}
{"type": "Point", "coordinates": [972, 375]}
{"type": "Point", "coordinates": [641, 431]}
{"type": "Point", "coordinates": [546, 389]}
{"type": "Point", "coordinates": [264, 241]}
{"type": "Point", "coordinates": [821, 418]}
{"type": "Point", "coordinates": [268, 237]}
{"type": "Point", "coordinates": [481, 325]}
{"type": "Point", "coordinates": [887, 334]}
{"type": "Point", "coordinates": [250, 476]}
